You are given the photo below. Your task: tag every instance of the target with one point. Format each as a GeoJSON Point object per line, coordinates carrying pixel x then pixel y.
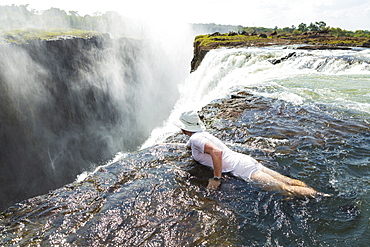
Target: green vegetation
{"type": "Point", "coordinates": [224, 39]}
{"type": "Point", "coordinates": [27, 20]}
{"type": "Point", "coordinates": [24, 36]}
{"type": "Point", "coordinates": [286, 31]}
{"type": "Point", "coordinates": [321, 37]}
{"type": "Point", "coordinates": [19, 25]}
{"type": "Point", "coordinates": [321, 27]}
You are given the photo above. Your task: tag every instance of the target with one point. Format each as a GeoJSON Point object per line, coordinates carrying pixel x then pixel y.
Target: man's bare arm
{"type": "Point", "coordinates": [216, 155]}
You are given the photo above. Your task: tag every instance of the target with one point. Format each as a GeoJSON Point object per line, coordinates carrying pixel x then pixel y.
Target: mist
{"type": "Point", "coordinates": [70, 105]}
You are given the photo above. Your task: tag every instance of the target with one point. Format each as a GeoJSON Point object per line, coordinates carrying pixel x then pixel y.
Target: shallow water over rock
{"type": "Point", "coordinates": [157, 196]}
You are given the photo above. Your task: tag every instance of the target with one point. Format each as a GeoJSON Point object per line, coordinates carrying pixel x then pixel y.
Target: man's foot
{"type": "Point", "coordinates": [323, 194]}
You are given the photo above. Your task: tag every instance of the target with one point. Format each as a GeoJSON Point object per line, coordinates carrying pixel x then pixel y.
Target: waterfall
{"type": "Point", "coordinates": [333, 78]}
{"type": "Point", "coordinates": [69, 105]}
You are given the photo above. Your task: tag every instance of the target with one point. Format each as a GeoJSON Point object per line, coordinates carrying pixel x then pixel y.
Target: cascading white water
{"type": "Point", "coordinates": [70, 104]}
{"type": "Point", "coordinates": [339, 79]}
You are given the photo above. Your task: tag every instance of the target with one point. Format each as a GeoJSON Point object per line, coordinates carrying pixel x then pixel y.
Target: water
{"type": "Point", "coordinates": [69, 105]}
{"type": "Point", "coordinates": [337, 79]}
{"type": "Point", "coordinates": [307, 117]}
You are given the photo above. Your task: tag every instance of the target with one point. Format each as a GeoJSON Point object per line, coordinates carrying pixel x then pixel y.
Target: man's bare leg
{"type": "Point", "coordinates": [282, 178]}
{"type": "Point", "coordinates": [269, 182]}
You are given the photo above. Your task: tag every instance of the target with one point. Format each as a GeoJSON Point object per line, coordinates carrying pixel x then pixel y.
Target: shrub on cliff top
{"type": "Point", "coordinates": [207, 40]}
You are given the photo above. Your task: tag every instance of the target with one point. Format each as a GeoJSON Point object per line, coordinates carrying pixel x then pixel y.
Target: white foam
{"type": "Point", "coordinates": [308, 77]}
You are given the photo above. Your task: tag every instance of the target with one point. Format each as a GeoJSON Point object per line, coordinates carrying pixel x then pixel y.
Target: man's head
{"type": "Point", "coordinates": [190, 122]}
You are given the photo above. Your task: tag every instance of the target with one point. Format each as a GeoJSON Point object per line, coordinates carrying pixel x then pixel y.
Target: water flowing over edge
{"type": "Point", "coordinates": [334, 78]}
{"type": "Point", "coordinates": [71, 104]}
{"type": "Point", "coordinates": [309, 77]}
{"type": "Point", "coordinates": [153, 195]}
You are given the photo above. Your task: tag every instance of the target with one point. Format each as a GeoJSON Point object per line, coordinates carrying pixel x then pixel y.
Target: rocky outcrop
{"type": "Point", "coordinates": [43, 110]}
{"type": "Point", "coordinates": [276, 61]}
{"type": "Point", "coordinates": [323, 47]}
{"type": "Point", "coordinates": [199, 54]}
{"type": "Point", "coordinates": [366, 44]}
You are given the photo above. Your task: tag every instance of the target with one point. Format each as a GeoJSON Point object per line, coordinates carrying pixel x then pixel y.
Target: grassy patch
{"type": "Point", "coordinates": [350, 42]}
{"type": "Point", "coordinates": [24, 36]}
{"type": "Point", "coordinates": [211, 40]}
{"type": "Point", "coordinates": [217, 40]}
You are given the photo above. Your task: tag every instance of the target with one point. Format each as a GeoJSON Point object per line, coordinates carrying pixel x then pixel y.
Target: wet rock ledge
{"type": "Point", "coordinates": [240, 121]}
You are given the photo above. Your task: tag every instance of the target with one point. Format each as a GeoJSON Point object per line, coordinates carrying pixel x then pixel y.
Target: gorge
{"type": "Point", "coordinates": [72, 103]}
{"type": "Point", "coordinates": [101, 108]}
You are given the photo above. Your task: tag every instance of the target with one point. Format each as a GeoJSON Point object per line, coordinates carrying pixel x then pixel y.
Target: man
{"type": "Point", "coordinates": [210, 151]}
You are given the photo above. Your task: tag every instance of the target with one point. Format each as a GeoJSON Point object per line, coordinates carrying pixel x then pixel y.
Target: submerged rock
{"type": "Point", "coordinates": [157, 196]}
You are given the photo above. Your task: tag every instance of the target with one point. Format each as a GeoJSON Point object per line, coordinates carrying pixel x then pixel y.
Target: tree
{"type": "Point", "coordinates": [302, 27]}
{"type": "Point", "coordinates": [313, 27]}
{"type": "Point", "coordinates": [321, 25]}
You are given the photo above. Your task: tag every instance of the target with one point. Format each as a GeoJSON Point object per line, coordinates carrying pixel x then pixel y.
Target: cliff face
{"type": "Point", "coordinates": [204, 43]}
{"type": "Point", "coordinates": [62, 110]}
{"type": "Point", "coordinates": [42, 114]}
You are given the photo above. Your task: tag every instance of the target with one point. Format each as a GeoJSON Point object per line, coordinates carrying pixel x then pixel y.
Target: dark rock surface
{"type": "Point", "coordinates": [157, 196]}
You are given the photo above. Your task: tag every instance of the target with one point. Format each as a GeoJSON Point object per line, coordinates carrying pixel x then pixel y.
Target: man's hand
{"type": "Point", "coordinates": [213, 184]}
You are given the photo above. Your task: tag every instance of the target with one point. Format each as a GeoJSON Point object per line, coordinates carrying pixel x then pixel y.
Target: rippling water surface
{"type": "Point", "coordinates": [312, 125]}
{"type": "Point", "coordinates": [157, 196]}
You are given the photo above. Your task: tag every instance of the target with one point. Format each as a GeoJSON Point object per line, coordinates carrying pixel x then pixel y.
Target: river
{"type": "Point", "coordinates": [307, 117]}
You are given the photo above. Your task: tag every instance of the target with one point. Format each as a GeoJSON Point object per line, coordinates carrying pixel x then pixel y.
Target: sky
{"type": "Point", "coordinates": [346, 14]}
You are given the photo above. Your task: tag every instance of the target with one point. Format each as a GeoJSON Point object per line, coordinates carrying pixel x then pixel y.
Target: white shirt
{"type": "Point", "coordinates": [197, 142]}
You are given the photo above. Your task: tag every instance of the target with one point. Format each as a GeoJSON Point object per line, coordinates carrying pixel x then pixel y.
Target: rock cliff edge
{"type": "Point", "coordinates": [204, 43]}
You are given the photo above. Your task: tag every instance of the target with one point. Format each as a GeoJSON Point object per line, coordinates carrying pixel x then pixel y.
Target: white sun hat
{"type": "Point", "coordinates": [189, 121]}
